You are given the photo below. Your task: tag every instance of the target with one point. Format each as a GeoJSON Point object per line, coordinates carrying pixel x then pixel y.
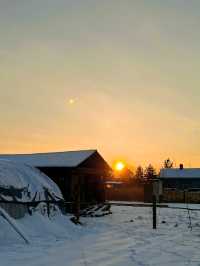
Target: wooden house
{"type": "Point", "coordinates": [84, 170]}
{"type": "Point", "coordinates": [180, 184]}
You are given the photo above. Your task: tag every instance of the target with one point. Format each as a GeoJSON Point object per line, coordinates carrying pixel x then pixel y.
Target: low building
{"type": "Point", "coordinates": [83, 172]}
{"type": "Point", "coordinates": [180, 184]}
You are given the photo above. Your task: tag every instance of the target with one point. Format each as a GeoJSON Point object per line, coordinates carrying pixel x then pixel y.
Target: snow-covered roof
{"type": "Point", "coordinates": [54, 159]}
{"type": "Point", "coordinates": [24, 177]}
{"type": "Point", "coordinates": [180, 173]}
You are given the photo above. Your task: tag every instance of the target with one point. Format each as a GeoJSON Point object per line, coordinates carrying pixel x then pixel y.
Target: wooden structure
{"type": "Point", "coordinates": [119, 191]}
{"type": "Point", "coordinates": [181, 184]}
{"type": "Point", "coordinates": [80, 175]}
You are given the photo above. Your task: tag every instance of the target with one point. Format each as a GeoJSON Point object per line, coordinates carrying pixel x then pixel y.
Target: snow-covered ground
{"type": "Point", "coordinates": [124, 238]}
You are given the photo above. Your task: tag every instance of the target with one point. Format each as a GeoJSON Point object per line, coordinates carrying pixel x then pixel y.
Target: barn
{"type": "Point", "coordinates": [181, 184]}
{"type": "Point", "coordinates": [84, 171]}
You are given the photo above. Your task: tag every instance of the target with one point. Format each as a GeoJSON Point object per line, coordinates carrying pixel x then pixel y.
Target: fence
{"type": "Point", "coordinates": [125, 193]}
{"type": "Point", "coordinates": [17, 209]}
{"type": "Point", "coordinates": [181, 196]}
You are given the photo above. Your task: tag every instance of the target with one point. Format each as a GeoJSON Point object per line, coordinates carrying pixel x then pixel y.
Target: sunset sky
{"type": "Point", "coordinates": [121, 76]}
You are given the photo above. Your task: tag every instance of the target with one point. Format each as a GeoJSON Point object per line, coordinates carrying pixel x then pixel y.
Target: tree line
{"type": "Point", "coordinates": [148, 173]}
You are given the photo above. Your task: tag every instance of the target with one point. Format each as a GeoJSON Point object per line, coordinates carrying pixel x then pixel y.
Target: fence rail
{"type": "Point", "coordinates": [18, 209]}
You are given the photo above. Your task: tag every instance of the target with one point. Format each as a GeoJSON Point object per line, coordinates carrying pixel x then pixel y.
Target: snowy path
{"type": "Point", "coordinates": [123, 238]}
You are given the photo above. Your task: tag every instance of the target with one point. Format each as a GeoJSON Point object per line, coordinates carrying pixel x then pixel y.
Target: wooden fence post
{"type": "Point", "coordinates": [77, 199]}
{"type": "Point", "coordinates": [154, 212]}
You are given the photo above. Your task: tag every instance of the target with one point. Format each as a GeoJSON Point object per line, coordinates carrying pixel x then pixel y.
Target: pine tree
{"type": "Point", "coordinates": [150, 172]}
{"type": "Point", "coordinates": [139, 174]}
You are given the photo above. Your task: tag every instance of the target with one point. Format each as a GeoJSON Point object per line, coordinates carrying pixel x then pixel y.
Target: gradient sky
{"type": "Point", "coordinates": [131, 66]}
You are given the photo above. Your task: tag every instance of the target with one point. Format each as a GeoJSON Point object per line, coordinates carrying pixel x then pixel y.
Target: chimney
{"type": "Point", "coordinates": [181, 166]}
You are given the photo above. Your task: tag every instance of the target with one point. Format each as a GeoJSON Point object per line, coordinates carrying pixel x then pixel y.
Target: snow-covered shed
{"type": "Point", "coordinates": [21, 184]}
{"type": "Point", "coordinates": [67, 169]}
{"type": "Point", "coordinates": [180, 178]}
{"type": "Point", "coordinates": [181, 184]}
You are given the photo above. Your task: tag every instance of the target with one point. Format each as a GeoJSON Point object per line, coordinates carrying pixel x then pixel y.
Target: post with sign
{"type": "Point", "coordinates": [154, 211]}
{"type": "Point", "coordinates": [157, 192]}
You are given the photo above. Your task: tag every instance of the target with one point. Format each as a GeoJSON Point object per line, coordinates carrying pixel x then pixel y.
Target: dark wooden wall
{"type": "Point", "coordinates": [91, 174]}
{"type": "Point", "coordinates": [181, 183]}
{"type": "Point", "coordinates": [92, 185]}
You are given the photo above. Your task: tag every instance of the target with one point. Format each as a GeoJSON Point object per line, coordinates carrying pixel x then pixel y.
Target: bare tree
{"type": "Point", "coordinates": [168, 163]}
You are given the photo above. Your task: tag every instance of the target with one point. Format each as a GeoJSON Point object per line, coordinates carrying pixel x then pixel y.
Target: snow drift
{"type": "Point", "coordinates": [25, 183]}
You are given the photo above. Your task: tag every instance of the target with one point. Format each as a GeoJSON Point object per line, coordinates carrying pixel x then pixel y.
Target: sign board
{"type": "Point", "coordinates": [157, 188]}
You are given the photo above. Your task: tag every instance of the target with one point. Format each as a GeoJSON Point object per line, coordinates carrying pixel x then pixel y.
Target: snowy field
{"type": "Point", "coordinates": [124, 238]}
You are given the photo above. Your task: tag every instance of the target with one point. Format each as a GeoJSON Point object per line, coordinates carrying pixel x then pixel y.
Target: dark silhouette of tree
{"type": "Point", "coordinates": [139, 174]}
{"type": "Point", "coordinates": [150, 172]}
{"type": "Point", "coordinates": [168, 163]}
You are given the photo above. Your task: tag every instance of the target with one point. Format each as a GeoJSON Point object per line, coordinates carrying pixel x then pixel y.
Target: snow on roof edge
{"type": "Point", "coordinates": [51, 159]}
{"type": "Point", "coordinates": [48, 152]}
{"type": "Point", "coordinates": [180, 173]}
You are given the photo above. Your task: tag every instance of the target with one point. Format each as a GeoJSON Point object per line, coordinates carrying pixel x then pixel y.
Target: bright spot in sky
{"type": "Point", "coordinates": [119, 166]}
{"type": "Point", "coordinates": [71, 101]}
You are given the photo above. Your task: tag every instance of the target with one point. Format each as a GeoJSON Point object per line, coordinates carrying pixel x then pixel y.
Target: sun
{"type": "Point", "coordinates": [119, 166]}
{"type": "Point", "coordinates": [71, 101]}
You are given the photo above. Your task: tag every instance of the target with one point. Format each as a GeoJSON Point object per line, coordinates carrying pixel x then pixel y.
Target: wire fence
{"type": "Point", "coordinates": [18, 209]}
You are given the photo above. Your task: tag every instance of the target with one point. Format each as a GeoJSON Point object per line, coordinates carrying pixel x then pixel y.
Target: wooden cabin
{"type": "Point", "coordinates": [84, 170]}
{"type": "Point", "coordinates": [181, 184]}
